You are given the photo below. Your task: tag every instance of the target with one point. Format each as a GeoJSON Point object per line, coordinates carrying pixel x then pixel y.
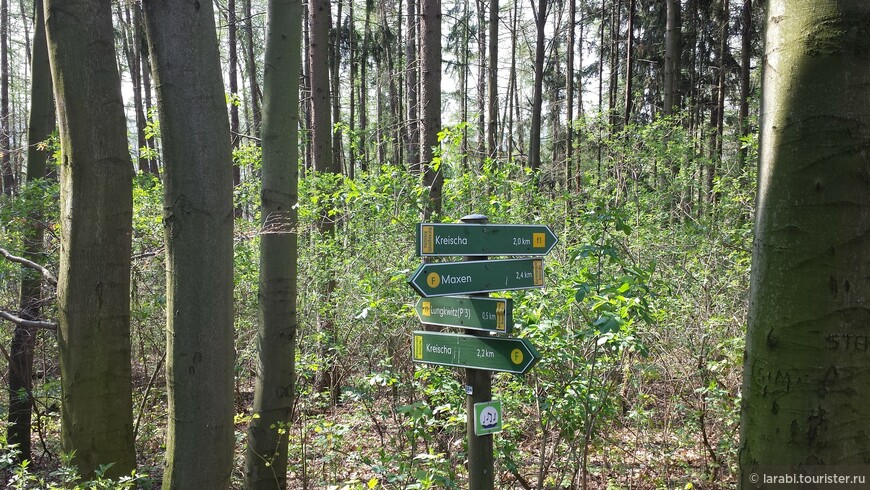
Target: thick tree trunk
{"type": "Point", "coordinates": [39, 128]}
{"type": "Point", "coordinates": [198, 218]}
{"type": "Point", "coordinates": [266, 456]}
{"type": "Point", "coordinates": [335, 86]}
{"type": "Point", "coordinates": [430, 47]}
{"type": "Point", "coordinates": [96, 212]}
{"type": "Point", "coordinates": [806, 379]}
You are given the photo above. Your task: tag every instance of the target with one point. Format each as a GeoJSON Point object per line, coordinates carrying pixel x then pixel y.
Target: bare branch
{"type": "Point", "coordinates": [29, 263]}
{"type": "Point", "coordinates": [27, 323]}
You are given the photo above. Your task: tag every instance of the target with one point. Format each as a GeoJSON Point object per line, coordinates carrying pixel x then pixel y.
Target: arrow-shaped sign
{"type": "Point", "coordinates": [483, 276]}
{"type": "Point", "coordinates": [453, 239]}
{"type": "Point", "coordinates": [493, 314]}
{"type": "Point", "coordinates": [489, 353]}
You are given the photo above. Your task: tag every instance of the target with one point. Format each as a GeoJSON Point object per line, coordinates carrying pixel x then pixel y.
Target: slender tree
{"type": "Point", "coordinates": [411, 70]}
{"type": "Point", "coordinates": [672, 58]}
{"type": "Point", "coordinates": [806, 376]}
{"type": "Point", "coordinates": [6, 167]}
{"type": "Point", "coordinates": [251, 65]}
{"type": "Point", "coordinates": [537, 96]}
{"type": "Point", "coordinates": [39, 128]}
{"type": "Point", "coordinates": [266, 456]}
{"type": "Point", "coordinates": [198, 220]}
{"type": "Point", "coordinates": [96, 208]}
{"type": "Point", "coordinates": [430, 95]}
{"type": "Point", "coordinates": [492, 81]}
{"type": "Point", "coordinates": [745, 60]}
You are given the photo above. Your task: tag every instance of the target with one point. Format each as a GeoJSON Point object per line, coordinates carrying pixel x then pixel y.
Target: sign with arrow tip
{"type": "Point", "coordinates": [456, 239]}
{"type": "Point", "coordinates": [449, 278]}
{"type": "Point", "coordinates": [493, 314]}
{"type": "Point", "coordinates": [509, 355]}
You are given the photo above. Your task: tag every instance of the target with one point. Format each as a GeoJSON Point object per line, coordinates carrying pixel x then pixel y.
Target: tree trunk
{"type": "Point", "coordinates": [39, 128]}
{"type": "Point", "coordinates": [198, 210]}
{"type": "Point", "coordinates": [430, 47]}
{"type": "Point", "coordinates": [251, 63]}
{"type": "Point", "coordinates": [672, 59]}
{"type": "Point", "coordinates": [96, 212]}
{"type": "Point", "coordinates": [145, 61]}
{"type": "Point", "coordinates": [481, 80]}
{"type": "Point", "coordinates": [537, 97]}
{"type": "Point", "coordinates": [319, 20]}
{"type": "Point", "coordinates": [413, 145]}
{"type": "Point", "coordinates": [8, 170]}
{"type": "Point", "coordinates": [806, 373]}
{"type": "Point", "coordinates": [745, 59]}
{"type": "Point", "coordinates": [569, 92]}
{"type": "Point", "coordinates": [492, 81]}
{"type": "Point", "coordinates": [629, 65]}
{"type": "Point", "coordinates": [266, 456]}
{"type": "Point", "coordinates": [335, 92]}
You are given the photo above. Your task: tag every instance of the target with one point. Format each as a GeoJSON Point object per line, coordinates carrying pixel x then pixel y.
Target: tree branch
{"type": "Point", "coordinates": [27, 323]}
{"type": "Point", "coordinates": [29, 263]}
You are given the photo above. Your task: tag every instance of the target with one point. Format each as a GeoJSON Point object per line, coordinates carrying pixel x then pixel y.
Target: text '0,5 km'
{"type": "Point", "coordinates": [456, 239]}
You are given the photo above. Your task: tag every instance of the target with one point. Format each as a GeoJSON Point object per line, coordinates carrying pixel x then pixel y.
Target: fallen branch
{"type": "Point", "coordinates": [27, 323]}
{"type": "Point", "coordinates": [29, 263]}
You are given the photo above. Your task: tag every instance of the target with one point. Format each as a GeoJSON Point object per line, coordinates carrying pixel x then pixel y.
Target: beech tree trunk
{"type": "Point", "coordinates": [198, 220]}
{"type": "Point", "coordinates": [806, 379]}
{"type": "Point", "coordinates": [96, 212]}
{"type": "Point", "coordinates": [266, 456]}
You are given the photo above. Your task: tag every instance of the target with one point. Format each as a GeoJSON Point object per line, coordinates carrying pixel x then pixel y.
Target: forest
{"type": "Point", "coordinates": [210, 236]}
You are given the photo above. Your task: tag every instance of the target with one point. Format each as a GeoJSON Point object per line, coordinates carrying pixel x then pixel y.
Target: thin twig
{"type": "Point", "coordinates": [145, 396]}
{"type": "Point", "coordinates": [27, 323]}
{"type": "Point", "coordinates": [29, 263]}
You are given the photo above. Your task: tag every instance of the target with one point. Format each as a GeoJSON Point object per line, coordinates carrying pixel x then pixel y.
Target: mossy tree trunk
{"type": "Point", "coordinates": [806, 377]}
{"type": "Point", "coordinates": [96, 210]}
{"type": "Point", "coordinates": [198, 218]}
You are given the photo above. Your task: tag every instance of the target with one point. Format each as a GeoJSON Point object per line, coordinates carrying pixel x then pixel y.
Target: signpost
{"type": "Point", "coordinates": [470, 313]}
{"type": "Point", "coordinates": [476, 351]}
{"type": "Point", "coordinates": [483, 276]}
{"type": "Point", "coordinates": [509, 355]}
{"type": "Point", "coordinates": [452, 239]}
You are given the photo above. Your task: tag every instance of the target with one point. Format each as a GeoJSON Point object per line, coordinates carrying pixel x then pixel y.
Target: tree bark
{"type": "Point", "coordinates": [8, 171]}
{"type": "Point", "coordinates": [251, 64]}
{"type": "Point", "coordinates": [266, 456]}
{"type": "Point", "coordinates": [806, 376]}
{"type": "Point", "coordinates": [492, 82]}
{"type": "Point", "coordinates": [198, 211]}
{"type": "Point", "coordinates": [745, 60]}
{"type": "Point", "coordinates": [537, 97]}
{"type": "Point", "coordinates": [411, 69]}
{"type": "Point", "coordinates": [430, 47]}
{"type": "Point", "coordinates": [39, 128]}
{"type": "Point", "coordinates": [628, 107]}
{"type": "Point", "coordinates": [672, 58]}
{"type": "Point", "coordinates": [96, 211]}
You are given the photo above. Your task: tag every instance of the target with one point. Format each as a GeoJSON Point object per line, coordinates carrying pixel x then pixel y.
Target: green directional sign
{"type": "Point", "coordinates": [483, 276]}
{"type": "Point", "coordinates": [453, 239]}
{"type": "Point", "coordinates": [495, 314]}
{"type": "Point", "coordinates": [459, 350]}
